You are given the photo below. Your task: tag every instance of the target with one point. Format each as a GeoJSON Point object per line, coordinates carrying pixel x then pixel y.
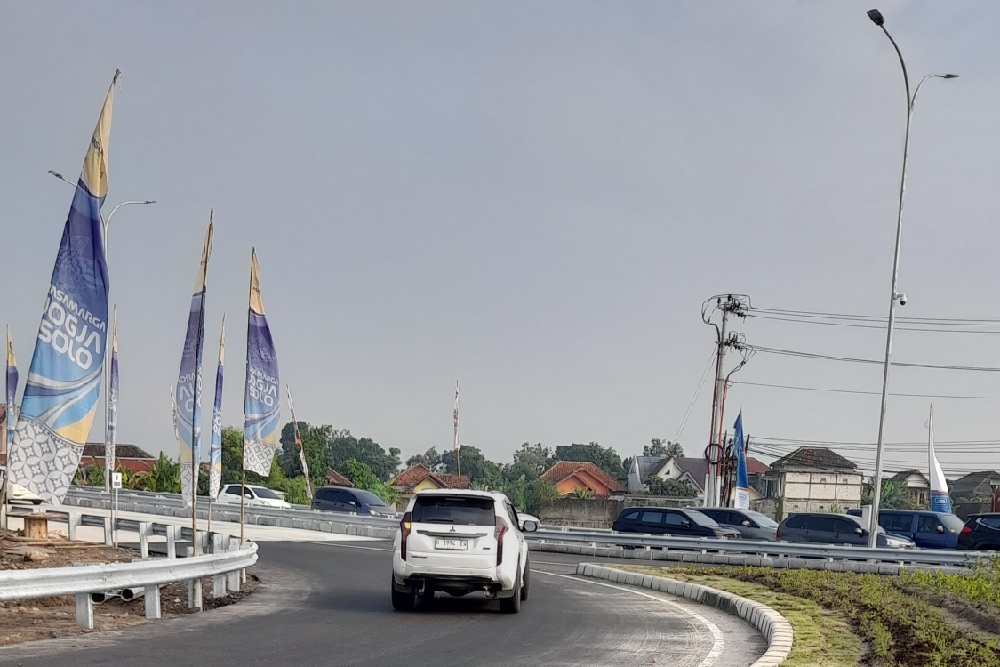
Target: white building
{"type": "Point", "coordinates": [813, 479]}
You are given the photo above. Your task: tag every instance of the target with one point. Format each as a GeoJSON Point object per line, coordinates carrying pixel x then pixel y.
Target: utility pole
{"type": "Point", "coordinates": [729, 304]}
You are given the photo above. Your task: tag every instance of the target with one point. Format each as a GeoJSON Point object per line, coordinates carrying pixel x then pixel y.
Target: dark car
{"type": "Point", "coordinates": [825, 528]}
{"type": "Point", "coordinates": [929, 530]}
{"type": "Point", "coordinates": [981, 532]}
{"type": "Point", "coordinates": [346, 499]}
{"type": "Point", "coordinates": [670, 521]}
{"type": "Point", "coordinates": [751, 525]}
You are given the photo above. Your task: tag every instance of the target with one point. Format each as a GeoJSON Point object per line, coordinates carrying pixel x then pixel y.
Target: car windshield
{"type": "Point", "coordinates": [369, 498]}
{"type": "Point", "coordinates": [457, 510]}
{"type": "Point", "coordinates": [701, 519]}
{"type": "Point", "coordinates": [762, 521]}
{"type": "Point", "coordinates": [264, 492]}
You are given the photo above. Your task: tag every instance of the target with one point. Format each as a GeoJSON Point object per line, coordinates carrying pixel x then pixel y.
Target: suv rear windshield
{"type": "Point", "coordinates": [457, 510]}
{"type": "Point", "coordinates": [369, 498]}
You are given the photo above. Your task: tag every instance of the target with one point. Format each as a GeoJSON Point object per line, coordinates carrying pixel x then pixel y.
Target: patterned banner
{"type": "Point", "coordinates": [298, 444]}
{"type": "Point", "coordinates": [261, 406]}
{"type": "Point", "coordinates": [110, 454]}
{"type": "Point", "coordinates": [741, 495]}
{"type": "Point", "coordinates": [60, 398]}
{"type": "Point", "coordinates": [215, 452]}
{"type": "Point", "coordinates": [189, 381]}
{"type": "Point", "coordinates": [940, 500]}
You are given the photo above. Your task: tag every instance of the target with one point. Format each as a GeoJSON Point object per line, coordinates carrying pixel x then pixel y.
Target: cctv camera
{"type": "Point", "coordinates": [902, 299]}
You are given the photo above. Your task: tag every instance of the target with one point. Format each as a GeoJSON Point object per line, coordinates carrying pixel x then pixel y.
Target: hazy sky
{"type": "Point", "coordinates": [532, 198]}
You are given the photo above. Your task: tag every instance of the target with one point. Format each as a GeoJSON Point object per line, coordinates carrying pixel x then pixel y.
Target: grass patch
{"type": "Point", "coordinates": [901, 628]}
{"type": "Point", "coordinates": [822, 636]}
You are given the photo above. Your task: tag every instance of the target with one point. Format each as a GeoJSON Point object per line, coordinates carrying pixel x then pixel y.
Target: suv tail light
{"type": "Point", "coordinates": [498, 533]}
{"type": "Point", "coordinates": [777, 533]}
{"type": "Point", "coordinates": [404, 527]}
{"type": "Point", "coordinates": [966, 530]}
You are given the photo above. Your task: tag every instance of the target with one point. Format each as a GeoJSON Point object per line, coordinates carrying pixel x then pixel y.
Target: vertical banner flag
{"type": "Point", "coordinates": [940, 500]}
{"type": "Point", "coordinates": [298, 444]}
{"type": "Point", "coordinates": [261, 407]}
{"type": "Point", "coordinates": [173, 414]}
{"type": "Point", "coordinates": [454, 414]}
{"type": "Point", "coordinates": [189, 384]}
{"type": "Point", "coordinates": [60, 398]}
{"type": "Point", "coordinates": [215, 450]}
{"type": "Point", "coordinates": [741, 498]}
{"type": "Point", "coordinates": [109, 446]}
{"type": "Point", "coordinates": [12, 378]}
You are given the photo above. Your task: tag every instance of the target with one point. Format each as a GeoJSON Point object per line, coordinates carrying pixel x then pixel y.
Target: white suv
{"type": "Point", "coordinates": [460, 542]}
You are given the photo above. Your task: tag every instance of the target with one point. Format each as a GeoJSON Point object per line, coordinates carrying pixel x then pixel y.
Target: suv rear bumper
{"type": "Point", "coordinates": [429, 583]}
{"type": "Point", "coordinates": [407, 575]}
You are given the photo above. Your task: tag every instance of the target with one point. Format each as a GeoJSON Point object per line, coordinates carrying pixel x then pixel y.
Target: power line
{"type": "Point", "coordinates": [866, 393]}
{"type": "Point", "coordinates": [878, 327]}
{"type": "Point", "coordinates": [950, 321]}
{"type": "Point", "coordinates": [856, 360]}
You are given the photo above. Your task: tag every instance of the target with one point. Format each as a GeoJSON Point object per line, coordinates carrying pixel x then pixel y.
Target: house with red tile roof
{"type": "Point", "coordinates": [131, 457]}
{"type": "Point", "coordinates": [571, 476]}
{"type": "Point", "coordinates": [334, 478]}
{"type": "Point", "coordinates": [420, 477]}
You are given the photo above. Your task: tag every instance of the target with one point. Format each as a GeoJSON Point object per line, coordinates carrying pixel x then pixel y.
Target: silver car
{"type": "Point", "coordinates": [752, 525]}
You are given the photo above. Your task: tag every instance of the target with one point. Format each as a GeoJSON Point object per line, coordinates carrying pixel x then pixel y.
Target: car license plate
{"type": "Point", "coordinates": [451, 545]}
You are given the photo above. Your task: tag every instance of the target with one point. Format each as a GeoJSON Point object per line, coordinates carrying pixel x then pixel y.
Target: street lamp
{"type": "Point", "coordinates": [106, 371]}
{"type": "Point", "coordinates": [877, 18]}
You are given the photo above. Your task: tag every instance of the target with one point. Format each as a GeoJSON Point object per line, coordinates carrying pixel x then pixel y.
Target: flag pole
{"type": "Point", "coordinates": [458, 447]}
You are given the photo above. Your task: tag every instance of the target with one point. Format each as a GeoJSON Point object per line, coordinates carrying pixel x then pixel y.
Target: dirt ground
{"type": "Point", "coordinates": [46, 618]}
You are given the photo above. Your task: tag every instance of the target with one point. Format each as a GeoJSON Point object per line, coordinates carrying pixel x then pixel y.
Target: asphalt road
{"type": "Point", "coordinates": [328, 604]}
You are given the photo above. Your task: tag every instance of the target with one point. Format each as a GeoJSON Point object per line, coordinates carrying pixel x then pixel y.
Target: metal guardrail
{"type": "Point", "coordinates": [927, 557]}
{"type": "Point", "coordinates": [224, 564]}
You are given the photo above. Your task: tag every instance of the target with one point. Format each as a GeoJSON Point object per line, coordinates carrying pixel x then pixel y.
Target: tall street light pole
{"type": "Point", "coordinates": [106, 370]}
{"type": "Point", "coordinates": [895, 296]}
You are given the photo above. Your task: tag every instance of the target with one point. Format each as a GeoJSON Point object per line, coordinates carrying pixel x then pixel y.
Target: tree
{"type": "Point", "coordinates": [343, 447]}
{"type": "Point", "coordinates": [530, 461]}
{"type": "Point", "coordinates": [363, 477]}
{"type": "Point", "coordinates": [664, 448]}
{"type": "Point", "coordinates": [538, 494]}
{"type": "Point", "coordinates": [892, 496]}
{"type": "Point", "coordinates": [164, 477]}
{"type": "Point", "coordinates": [429, 459]}
{"type": "Point", "coordinates": [606, 458]}
{"type": "Point", "coordinates": [232, 455]}
{"type": "Point", "coordinates": [315, 440]}
{"type": "Point", "coordinates": [475, 466]}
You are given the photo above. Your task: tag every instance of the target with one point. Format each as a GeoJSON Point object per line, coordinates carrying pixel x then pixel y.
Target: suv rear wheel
{"type": "Point", "coordinates": [402, 600]}
{"type": "Point", "coordinates": [512, 605]}
{"type": "Point", "coordinates": [527, 580]}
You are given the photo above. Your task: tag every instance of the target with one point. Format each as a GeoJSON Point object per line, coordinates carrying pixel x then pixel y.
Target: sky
{"type": "Point", "coordinates": [531, 198]}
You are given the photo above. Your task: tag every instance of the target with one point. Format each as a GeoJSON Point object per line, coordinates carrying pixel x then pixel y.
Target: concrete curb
{"type": "Point", "coordinates": [775, 627]}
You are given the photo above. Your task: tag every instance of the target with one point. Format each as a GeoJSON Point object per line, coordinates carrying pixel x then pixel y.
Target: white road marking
{"type": "Point", "coordinates": [720, 641]}
{"type": "Point", "coordinates": [350, 546]}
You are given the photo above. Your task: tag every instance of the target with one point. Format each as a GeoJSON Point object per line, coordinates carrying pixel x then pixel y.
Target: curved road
{"type": "Point", "coordinates": [328, 604]}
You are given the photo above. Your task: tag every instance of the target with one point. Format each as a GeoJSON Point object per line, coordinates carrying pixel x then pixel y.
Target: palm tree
{"type": "Point", "coordinates": [582, 492]}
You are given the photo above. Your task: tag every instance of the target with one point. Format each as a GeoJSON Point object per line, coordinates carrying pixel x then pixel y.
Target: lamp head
{"type": "Point", "coordinates": [876, 17]}
{"type": "Point", "coordinates": [949, 76]}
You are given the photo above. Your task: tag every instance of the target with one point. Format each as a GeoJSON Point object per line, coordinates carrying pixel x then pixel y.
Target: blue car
{"type": "Point", "coordinates": [929, 530]}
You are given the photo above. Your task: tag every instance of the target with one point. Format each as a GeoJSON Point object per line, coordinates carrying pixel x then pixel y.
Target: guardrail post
{"type": "Point", "coordinates": [72, 521]}
{"type": "Point", "coordinates": [233, 578]}
{"type": "Point", "coordinates": [219, 580]}
{"type": "Point", "coordinates": [194, 594]}
{"type": "Point", "coordinates": [172, 533]}
{"type": "Point", "coordinates": [144, 532]}
{"type": "Point", "coordinates": [107, 530]}
{"type": "Point", "coordinates": [152, 596]}
{"type": "Point", "coordinates": [84, 611]}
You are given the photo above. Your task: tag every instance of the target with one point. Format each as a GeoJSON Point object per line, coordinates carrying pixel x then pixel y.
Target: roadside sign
{"type": "Point", "coordinates": [116, 480]}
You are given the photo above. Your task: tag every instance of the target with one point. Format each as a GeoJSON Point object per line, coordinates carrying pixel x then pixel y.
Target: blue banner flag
{"type": "Point", "coordinates": [215, 452]}
{"type": "Point", "coordinates": [261, 404]}
{"type": "Point", "coordinates": [60, 398]}
{"type": "Point", "coordinates": [12, 378]}
{"type": "Point", "coordinates": [741, 497]}
{"type": "Point", "coordinates": [189, 380]}
{"type": "Point", "coordinates": [109, 446]}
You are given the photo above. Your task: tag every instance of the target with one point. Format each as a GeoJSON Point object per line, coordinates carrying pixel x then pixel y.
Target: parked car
{"type": "Point", "coordinates": [824, 528]}
{"type": "Point", "coordinates": [347, 499]}
{"type": "Point", "coordinates": [929, 530]}
{"type": "Point", "coordinates": [18, 494]}
{"type": "Point", "coordinates": [670, 521]}
{"type": "Point", "coordinates": [751, 525]}
{"type": "Point", "coordinates": [981, 532]}
{"type": "Point", "coordinates": [460, 542]}
{"type": "Point", "coordinates": [255, 496]}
